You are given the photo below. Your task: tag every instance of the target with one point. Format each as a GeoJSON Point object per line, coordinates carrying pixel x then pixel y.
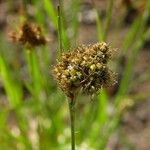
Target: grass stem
{"type": "Point", "coordinates": [59, 28]}
{"type": "Point", "coordinates": [108, 17]}
{"type": "Point", "coordinates": [99, 25]}
{"type": "Point", "coordinates": [72, 119]}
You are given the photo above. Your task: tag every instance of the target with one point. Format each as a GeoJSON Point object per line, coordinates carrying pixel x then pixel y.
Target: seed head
{"type": "Point", "coordinates": [85, 68]}
{"type": "Point", "coordinates": [29, 35]}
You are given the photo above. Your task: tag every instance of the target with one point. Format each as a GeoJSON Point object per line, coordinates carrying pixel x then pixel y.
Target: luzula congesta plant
{"type": "Point", "coordinates": [29, 36]}
{"type": "Point", "coordinates": [85, 69]}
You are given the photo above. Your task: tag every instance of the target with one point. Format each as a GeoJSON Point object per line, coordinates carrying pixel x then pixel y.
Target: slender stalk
{"type": "Point", "coordinates": [59, 28]}
{"type": "Point", "coordinates": [72, 120]}
{"type": "Point", "coordinates": [108, 17]}
{"type": "Point", "coordinates": [34, 72]}
{"type": "Point", "coordinates": [100, 28]}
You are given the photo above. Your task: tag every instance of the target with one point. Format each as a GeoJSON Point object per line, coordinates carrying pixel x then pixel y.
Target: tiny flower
{"type": "Point", "coordinates": [93, 67]}
{"type": "Point", "coordinates": [85, 69]}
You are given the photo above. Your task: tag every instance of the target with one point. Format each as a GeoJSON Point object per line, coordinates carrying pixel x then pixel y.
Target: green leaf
{"type": "Point", "coordinates": [49, 7]}
{"type": "Point", "coordinates": [13, 89]}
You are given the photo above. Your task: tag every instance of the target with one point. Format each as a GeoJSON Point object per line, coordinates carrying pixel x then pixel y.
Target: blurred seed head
{"type": "Point", "coordinates": [84, 69]}
{"type": "Point", "coordinates": [29, 35]}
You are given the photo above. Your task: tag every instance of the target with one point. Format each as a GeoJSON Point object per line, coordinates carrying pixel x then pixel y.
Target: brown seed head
{"type": "Point", "coordinates": [85, 68]}
{"type": "Point", "coordinates": [29, 34]}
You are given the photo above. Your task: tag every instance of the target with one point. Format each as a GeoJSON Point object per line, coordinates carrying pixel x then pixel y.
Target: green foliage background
{"type": "Point", "coordinates": [35, 115]}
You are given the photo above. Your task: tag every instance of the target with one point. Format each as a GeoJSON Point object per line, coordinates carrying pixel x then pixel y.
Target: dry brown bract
{"type": "Point", "coordinates": [29, 35]}
{"type": "Point", "coordinates": [85, 68]}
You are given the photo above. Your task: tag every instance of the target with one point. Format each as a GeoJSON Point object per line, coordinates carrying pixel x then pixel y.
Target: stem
{"type": "Point", "coordinates": [34, 72]}
{"type": "Point", "coordinates": [100, 28]}
{"type": "Point", "coordinates": [108, 17]}
{"type": "Point", "coordinates": [59, 28]}
{"type": "Point", "coordinates": [72, 120]}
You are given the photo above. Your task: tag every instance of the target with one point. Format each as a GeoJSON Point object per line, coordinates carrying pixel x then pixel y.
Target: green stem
{"type": "Point", "coordinates": [108, 17]}
{"type": "Point", "coordinates": [59, 27]}
{"type": "Point", "coordinates": [72, 120]}
{"type": "Point", "coordinates": [100, 28]}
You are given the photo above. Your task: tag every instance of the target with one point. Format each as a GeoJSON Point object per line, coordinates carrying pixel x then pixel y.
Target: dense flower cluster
{"type": "Point", "coordinates": [29, 35]}
{"type": "Point", "coordinates": [85, 69]}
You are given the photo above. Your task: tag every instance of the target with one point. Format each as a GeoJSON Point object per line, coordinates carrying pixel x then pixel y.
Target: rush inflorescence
{"type": "Point", "coordinates": [85, 69]}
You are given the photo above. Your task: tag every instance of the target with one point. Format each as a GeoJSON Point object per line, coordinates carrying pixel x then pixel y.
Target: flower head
{"type": "Point", "coordinates": [85, 68]}
{"type": "Point", "coordinates": [29, 34]}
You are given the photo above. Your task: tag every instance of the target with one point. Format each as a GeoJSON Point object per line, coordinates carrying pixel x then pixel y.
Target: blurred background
{"type": "Point", "coordinates": [34, 112]}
